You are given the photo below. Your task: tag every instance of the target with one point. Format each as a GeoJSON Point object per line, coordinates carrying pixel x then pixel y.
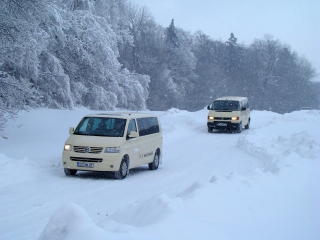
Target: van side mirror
{"type": "Point", "coordinates": [243, 108]}
{"type": "Point", "coordinates": [209, 107]}
{"type": "Point", "coordinates": [71, 130]}
{"type": "Point", "coordinates": [133, 134]}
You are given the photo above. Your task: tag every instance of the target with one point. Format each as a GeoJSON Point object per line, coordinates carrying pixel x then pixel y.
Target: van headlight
{"type": "Point", "coordinates": [112, 150]}
{"type": "Point", "coordinates": [67, 147]}
{"type": "Point", "coordinates": [235, 118]}
{"type": "Point", "coordinates": [210, 118]}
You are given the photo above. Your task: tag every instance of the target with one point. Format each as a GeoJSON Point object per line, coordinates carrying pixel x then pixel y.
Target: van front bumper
{"type": "Point", "coordinates": [91, 162]}
{"type": "Point", "coordinates": [223, 125]}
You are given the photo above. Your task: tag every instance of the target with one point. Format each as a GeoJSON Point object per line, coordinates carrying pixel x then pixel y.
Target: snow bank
{"type": "Point", "coordinates": [146, 212]}
{"type": "Point", "coordinates": [71, 222]}
{"type": "Point", "coordinates": [276, 139]}
{"type": "Point", "coordinates": [265, 206]}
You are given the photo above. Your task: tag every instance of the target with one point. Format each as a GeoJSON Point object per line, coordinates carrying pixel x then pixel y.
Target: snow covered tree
{"type": "Point", "coordinates": [211, 82]}
{"type": "Point", "coordinates": [178, 68]}
{"type": "Point", "coordinates": [64, 49]}
{"type": "Point", "coordinates": [281, 80]}
{"type": "Point", "coordinates": [105, 54]}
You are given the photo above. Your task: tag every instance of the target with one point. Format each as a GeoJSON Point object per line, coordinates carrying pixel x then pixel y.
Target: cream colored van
{"type": "Point", "coordinates": [229, 113]}
{"type": "Point", "coordinates": [113, 142]}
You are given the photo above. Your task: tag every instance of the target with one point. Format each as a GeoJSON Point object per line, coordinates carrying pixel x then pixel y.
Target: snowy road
{"type": "Point", "coordinates": [260, 184]}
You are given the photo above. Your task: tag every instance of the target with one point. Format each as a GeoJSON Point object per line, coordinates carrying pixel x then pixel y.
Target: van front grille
{"type": "Point", "coordinates": [223, 118]}
{"type": "Point", "coordinates": [85, 149]}
{"type": "Point", "coordinates": [79, 159]}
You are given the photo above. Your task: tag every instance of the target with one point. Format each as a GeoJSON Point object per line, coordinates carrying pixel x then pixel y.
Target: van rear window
{"type": "Point", "coordinates": [148, 126]}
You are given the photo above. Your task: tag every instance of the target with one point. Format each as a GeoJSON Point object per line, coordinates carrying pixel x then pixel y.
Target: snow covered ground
{"type": "Point", "coordinates": [260, 184]}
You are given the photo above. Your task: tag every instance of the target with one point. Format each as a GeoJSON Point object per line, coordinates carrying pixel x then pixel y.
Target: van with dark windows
{"type": "Point", "coordinates": [113, 142]}
{"type": "Point", "coordinates": [229, 113]}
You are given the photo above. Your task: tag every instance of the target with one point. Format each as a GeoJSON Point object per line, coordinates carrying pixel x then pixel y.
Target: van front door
{"type": "Point", "coordinates": [133, 145]}
{"type": "Point", "coordinates": [245, 112]}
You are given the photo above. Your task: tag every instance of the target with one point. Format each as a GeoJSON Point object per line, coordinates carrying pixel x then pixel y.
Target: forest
{"type": "Point", "coordinates": [108, 54]}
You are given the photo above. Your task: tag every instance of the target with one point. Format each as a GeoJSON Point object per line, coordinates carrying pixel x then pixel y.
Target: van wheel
{"type": "Point", "coordinates": [248, 125]}
{"type": "Point", "coordinates": [70, 172]}
{"type": "Point", "coordinates": [155, 163]}
{"type": "Point", "coordinates": [239, 127]}
{"type": "Point", "coordinates": [210, 129]}
{"type": "Point", "coordinates": [123, 170]}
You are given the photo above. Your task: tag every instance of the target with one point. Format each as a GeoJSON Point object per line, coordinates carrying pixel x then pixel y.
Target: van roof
{"type": "Point", "coordinates": [121, 115]}
{"type": "Point", "coordinates": [233, 98]}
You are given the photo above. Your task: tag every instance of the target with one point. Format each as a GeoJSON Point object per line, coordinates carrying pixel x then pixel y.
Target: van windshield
{"type": "Point", "coordinates": [226, 105]}
{"type": "Point", "coordinates": [101, 126]}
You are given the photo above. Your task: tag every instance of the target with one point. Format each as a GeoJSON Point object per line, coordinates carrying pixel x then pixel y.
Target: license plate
{"type": "Point", "coordinates": [85, 165]}
{"type": "Point", "coordinates": [221, 124]}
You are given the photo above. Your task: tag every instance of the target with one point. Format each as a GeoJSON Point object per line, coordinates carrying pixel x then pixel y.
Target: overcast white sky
{"type": "Point", "coordinates": [294, 22]}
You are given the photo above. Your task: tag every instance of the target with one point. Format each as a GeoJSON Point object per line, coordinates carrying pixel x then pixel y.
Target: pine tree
{"type": "Point", "coordinates": [171, 36]}
{"type": "Point", "coordinates": [232, 41]}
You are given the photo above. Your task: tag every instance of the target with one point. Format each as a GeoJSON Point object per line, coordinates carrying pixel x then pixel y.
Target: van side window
{"type": "Point", "coordinates": [244, 105]}
{"type": "Point", "coordinates": [148, 126]}
{"type": "Point", "coordinates": [132, 126]}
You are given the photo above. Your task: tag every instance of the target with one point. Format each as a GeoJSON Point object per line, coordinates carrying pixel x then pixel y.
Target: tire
{"type": "Point", "coordinates": [248, 125]}
{"type": "Point", "coordinates": [123, 170]}
{"type": "Point", "coordinates": [239, 129]}
{"type": "Point", "coordinates": [155, 163]}
{"type": "Point", "coordinates": [210, 129]}
{"type": "Point", "coordinates": [70, 172]}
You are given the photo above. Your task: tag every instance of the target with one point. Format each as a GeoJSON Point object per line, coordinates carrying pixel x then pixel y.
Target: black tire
{"type": "Point", "coordinates": [70, 172]}
{"type": "Point", "coordinates": [239, 127]}
{"type": "Point", "coordinates": [155, 163]}
{"type": "Point", "coordinates": [248, 125]}
{"type": "Point", "coordinates": [123, 170]}
{"type": "Point", "coordinates": [210, 129]}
